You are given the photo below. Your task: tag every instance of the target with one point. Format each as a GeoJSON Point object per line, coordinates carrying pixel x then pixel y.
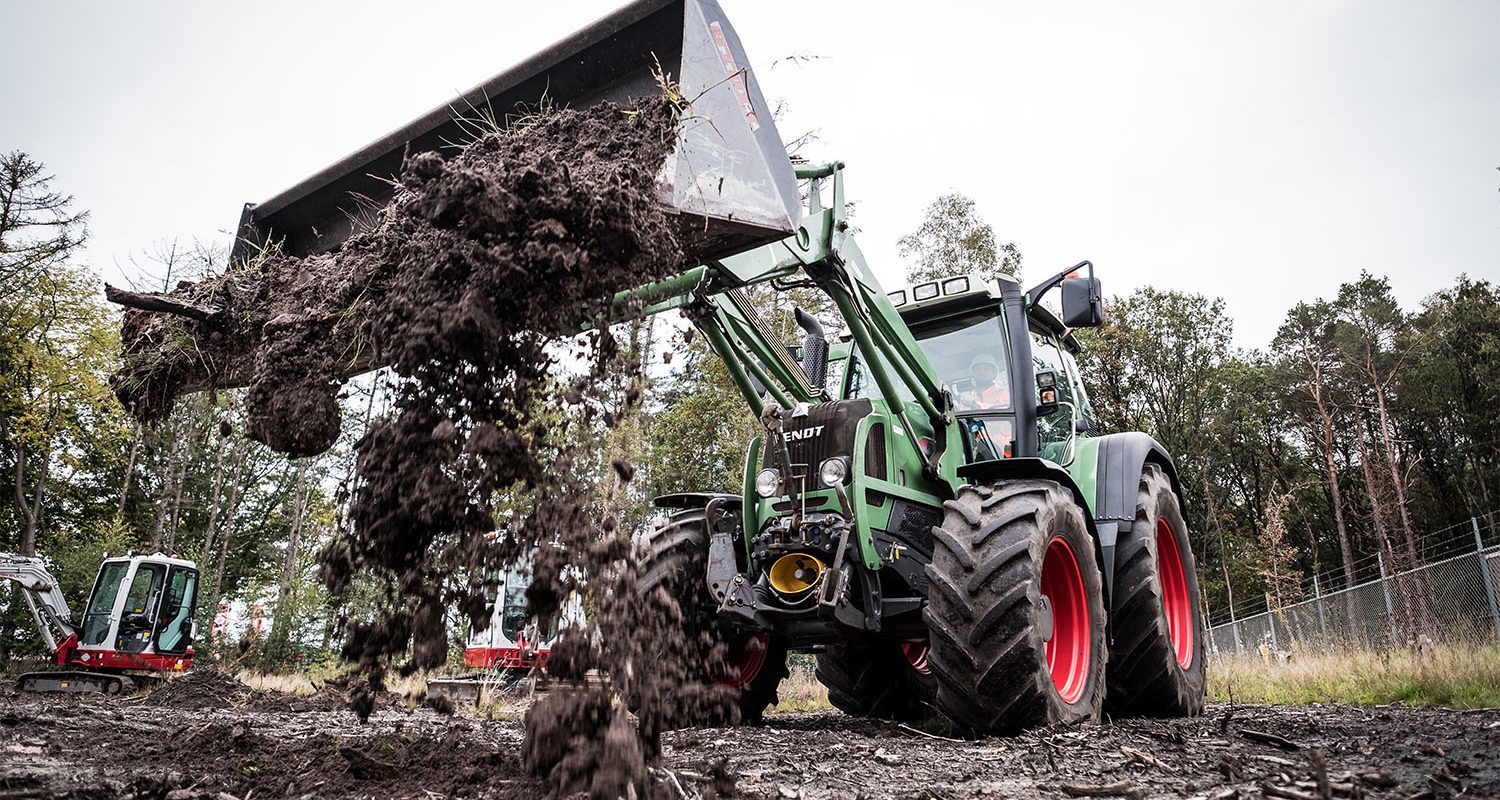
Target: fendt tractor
{"type": "Point", "coordinates": [941, 523]}
{"type": "Point", "coordinates": [137, 626]}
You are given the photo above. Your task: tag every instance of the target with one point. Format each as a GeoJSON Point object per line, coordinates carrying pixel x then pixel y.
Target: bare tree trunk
{"type": "Point", "coordinates": [231, 518]}
{"type": "Point", "coordinates": [299, 510]}
{"type": "Point", "coordinates": [281, 626]}
{"type": "Point", "coordinates": [135, 446]}
{"type": "Point", "coordinates": [216, 494]}
{"type": "Point", "coordinates": [1378, 502]}
{"type": "Point", "coordinates": [1336, 493]}
{"type": "Point", "coordinates": [30, 511]}
{"type": "Point", "coordinates": [1398, 485]}
{"type": "Point", "coordinates": [164, 497]}
{"type": "Point", "coordinates": [177, 481]}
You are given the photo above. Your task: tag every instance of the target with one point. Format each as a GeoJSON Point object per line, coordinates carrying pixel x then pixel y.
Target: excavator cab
{"type": "Point", "coordinates": [138, 621]}
{"type": "Point", "coordinates": [140, 614]}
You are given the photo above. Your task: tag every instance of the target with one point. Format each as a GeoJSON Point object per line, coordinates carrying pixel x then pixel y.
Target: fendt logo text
{"type": "Point", "coordinates": [805, 433]}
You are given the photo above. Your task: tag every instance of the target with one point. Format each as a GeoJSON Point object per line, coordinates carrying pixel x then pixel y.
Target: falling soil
{"type": "Point", "coordinates": [468, 286]}
{"type": "Point", "coordinates": [51, 747]}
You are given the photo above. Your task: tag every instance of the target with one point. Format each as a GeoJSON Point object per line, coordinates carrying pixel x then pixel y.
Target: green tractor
{"type": "Point", "coordinates": [928, 509]}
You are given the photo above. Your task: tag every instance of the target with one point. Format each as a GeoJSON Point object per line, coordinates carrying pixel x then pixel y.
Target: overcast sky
{"type": "Point", "coordinates": [1259, 151]}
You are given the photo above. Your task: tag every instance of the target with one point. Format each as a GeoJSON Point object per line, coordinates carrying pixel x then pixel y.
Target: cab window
{"type": "Point", "coordinates": [102, 602]}
{"type": "Point", "coordinates": [1055, 429]}
{"type": "Point", "coordinates": [172, 634]}
{"type": "Point", "coordinates": [969, 356]}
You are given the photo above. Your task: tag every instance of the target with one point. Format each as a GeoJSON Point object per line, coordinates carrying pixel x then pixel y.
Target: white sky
{"type": "Point", "coordinates": [1260, 151]}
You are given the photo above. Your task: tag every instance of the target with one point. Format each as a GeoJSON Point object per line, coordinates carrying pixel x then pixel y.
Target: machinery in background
{"type": "Point", "coordinates": [138, 623]}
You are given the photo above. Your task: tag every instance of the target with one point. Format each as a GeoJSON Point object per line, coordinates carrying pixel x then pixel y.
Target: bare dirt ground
{"type": "Point", "coordinates": [222, 740]}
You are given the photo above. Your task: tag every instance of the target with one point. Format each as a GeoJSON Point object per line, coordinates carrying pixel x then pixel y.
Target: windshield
{"type": "Point", "coordinates": [970, 359]}
{"type": "Point", "coordinates": [102, 602]}
{"type": "Point", "coordinates": [513, 615]}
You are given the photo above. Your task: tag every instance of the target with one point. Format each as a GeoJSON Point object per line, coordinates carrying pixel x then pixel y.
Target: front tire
{"type": "Point", "coordinates": [1010, 566]}
{"type": "Point", "coordinates": [1156, 660]}
{"type": "Point", "coordinates": [750, 665]}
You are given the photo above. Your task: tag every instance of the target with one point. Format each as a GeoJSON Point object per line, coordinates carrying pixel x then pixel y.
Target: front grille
{"type": "Point", "coordinates": [810, 446]}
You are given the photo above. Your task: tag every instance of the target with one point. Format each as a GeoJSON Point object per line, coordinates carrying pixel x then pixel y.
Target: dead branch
{"type": "Point", "coordinates": [1126, 788]}
{"type": "Point", "coordinates": [160, 303]}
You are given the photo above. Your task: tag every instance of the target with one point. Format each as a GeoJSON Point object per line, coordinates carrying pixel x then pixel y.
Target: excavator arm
{"type": "Point", "coordinates": [44, 598]}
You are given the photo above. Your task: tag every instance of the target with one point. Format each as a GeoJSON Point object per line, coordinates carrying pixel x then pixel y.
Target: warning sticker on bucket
{"type": "Point", "coordinates": [735, 75]}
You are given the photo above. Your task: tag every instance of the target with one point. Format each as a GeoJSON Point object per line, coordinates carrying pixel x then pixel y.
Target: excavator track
{"type": "Point", "coordinates": [75, 682]}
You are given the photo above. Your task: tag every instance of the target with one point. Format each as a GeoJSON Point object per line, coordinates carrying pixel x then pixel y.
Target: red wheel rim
{"type": "Point", "coordinates": [746, 657]}
{"type": "Point", "coordinates": [1072, 634]}
{"type": "Point", "coordinates": [916, 655]}
{"type": "Point", "coordinates": [1175, 599]}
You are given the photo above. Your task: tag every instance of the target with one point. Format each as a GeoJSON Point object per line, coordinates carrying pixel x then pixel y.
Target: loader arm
{"type": "Point", "coordinates": [823, 253]}
{"type": "Point", "coordinates": [44, 599]}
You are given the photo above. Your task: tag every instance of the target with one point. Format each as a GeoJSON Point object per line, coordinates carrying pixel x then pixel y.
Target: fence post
{"type": "Point", "coordinates": [1385, 589]}
{"type": "Point", "coordinates": [1318, 601]}
{"type": "Point", "coordinates": [1484, 572]}
{"type": "Point", "coordinates": [1234, 628]}
{"type": "Point", "coordinates": [1271, 618]}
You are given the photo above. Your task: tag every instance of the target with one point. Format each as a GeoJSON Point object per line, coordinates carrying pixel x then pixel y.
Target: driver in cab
{"type": "Point", "coordinates": [983, 392]}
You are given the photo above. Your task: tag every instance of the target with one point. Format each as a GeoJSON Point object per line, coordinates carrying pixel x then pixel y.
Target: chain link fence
{"type": "Point", "coordinates": [1450, 597]}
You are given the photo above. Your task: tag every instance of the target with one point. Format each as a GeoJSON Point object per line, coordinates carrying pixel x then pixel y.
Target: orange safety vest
{"type": "Point", "coordinates": [992, 396]}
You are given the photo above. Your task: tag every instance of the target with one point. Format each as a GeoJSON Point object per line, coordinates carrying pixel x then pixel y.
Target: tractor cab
{"type": "Point", "coordinates": [139, 616]}
{"type": "Point", "coordinates": [1005, 360]}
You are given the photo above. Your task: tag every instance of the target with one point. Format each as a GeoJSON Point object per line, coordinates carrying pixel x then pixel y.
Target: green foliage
{"type": "Point", "coordinates": [699, 440]}
{"type": "Point", "coordinates": [954, 240]}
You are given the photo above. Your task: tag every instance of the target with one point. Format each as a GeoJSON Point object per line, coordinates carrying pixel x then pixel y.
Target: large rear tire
{"type": "Point", "coordinates": [1015, 610]}
{"type": "Point", "coordinates": [884, 680]}
{"type": "Point", "coordinates": [750, 664]}
{"type": "Point", "coordinates": [1156, 659]}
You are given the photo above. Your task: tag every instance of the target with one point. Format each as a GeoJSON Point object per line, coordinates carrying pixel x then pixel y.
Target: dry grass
{"type": "Point", "coordinates": [288, 683]}
{"type": "Point", "coordinates": [1455, 676]}
{"type": "Point", "coordinates": [800, 692]}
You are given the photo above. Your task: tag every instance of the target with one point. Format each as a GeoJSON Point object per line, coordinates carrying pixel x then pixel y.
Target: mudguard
{"type": "Point", "coordinates": [1122, 458]}
{"type": "Point", "coordinates": [681, 500]}
{"type": "Point", "coordinates": [1003, 469]}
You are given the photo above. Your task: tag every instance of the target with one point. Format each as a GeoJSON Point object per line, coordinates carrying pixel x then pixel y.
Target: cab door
{"type": "Point", "coordinates": [175, 609]}
{"type": "Point", "coordinates": [137, 613]}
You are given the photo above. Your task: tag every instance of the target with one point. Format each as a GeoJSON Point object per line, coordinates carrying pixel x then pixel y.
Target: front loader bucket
{"type": "Point", "coordinates": [729, 179]}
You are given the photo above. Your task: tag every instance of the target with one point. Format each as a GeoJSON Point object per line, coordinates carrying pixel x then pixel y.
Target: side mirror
{"type": "Point", "coordinates": [1082, 303]}
{"type": "Point", "coordinates": [1046, 392]}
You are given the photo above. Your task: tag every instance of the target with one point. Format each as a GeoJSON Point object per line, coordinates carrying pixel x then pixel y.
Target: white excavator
{"type": "Point", "coordinates": [513, 647]}
{"type": "Point", "coordinates": [137, 626]}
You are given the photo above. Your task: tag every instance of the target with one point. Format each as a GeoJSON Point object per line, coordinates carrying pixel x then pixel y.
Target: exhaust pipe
{"type": "Point", "coordinates": [729, 179]}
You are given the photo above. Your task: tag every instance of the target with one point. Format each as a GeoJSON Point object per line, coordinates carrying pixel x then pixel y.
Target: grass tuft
{"type": "Point", "coordinates": [800, 692]}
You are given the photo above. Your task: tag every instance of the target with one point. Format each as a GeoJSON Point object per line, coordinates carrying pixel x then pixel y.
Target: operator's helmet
{"type": "Point", "coordinates": [986, 359]}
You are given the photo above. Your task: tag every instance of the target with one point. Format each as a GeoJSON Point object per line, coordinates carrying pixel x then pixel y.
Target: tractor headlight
{"type": "Point", "coordinates": [768, 482]}
{"type": "Point", "coordinates": [834, 471]}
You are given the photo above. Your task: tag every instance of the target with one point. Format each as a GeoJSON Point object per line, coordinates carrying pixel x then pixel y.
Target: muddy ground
{"type": "Point", "coordinates": [224, 741]}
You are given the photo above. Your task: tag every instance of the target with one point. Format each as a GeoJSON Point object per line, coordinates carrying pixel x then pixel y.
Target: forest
{"type": "Point", "coordinates": [1362, 438]}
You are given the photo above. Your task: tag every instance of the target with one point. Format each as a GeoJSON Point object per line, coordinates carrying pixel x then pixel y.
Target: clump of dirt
{"type": "Point", "coordinates": [468, 286]}
{"type": "Point", "coordinates": [203, 688]}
